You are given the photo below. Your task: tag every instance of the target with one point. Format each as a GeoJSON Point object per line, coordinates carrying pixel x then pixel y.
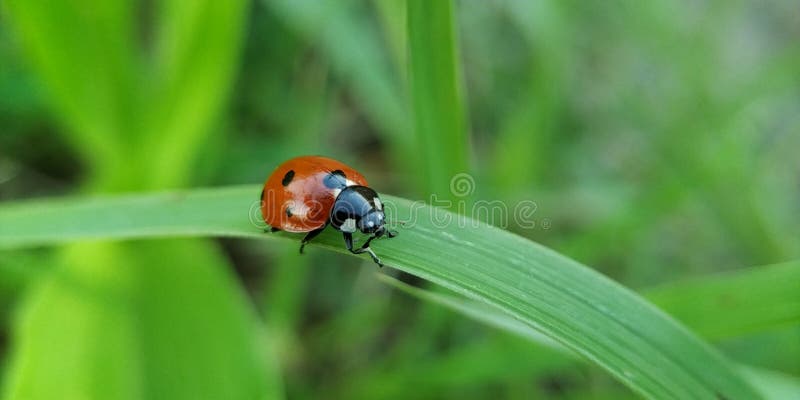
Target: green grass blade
{"type": "Point", "coordinates": [434, 78]}
{"type": "Point", "coordinates": [734, 303]}
{"type": "Point", "coordinates": [574, 305]}
{"type": "Point", "coordinates": [195, 58]}
{"type": "Point", "coordinates": [771, 385]}
{"type": "Point", "coordinates": [167, 214]}
{"type": "Point", "coordinates": [715, 307]}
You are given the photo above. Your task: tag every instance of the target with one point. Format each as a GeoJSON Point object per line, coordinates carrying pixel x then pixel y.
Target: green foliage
{"type": "Point", "coordinates": [140, 320]}
{"type": "Point", "coordinates": [735, 303]}
{"type": "Point", "coordinates": [441, 135]}
{"type": "Point", "coordinates": [127, 104]}
{"type": "Point", "coordinates": [570, 303]}
{"type": "Point", "coordinates": [770, 385]}
{"type": "Point", "coordinates": [656, 139]}
{"type": "Point", "coordinates": [219, 212]}
{"type": "Point", "coordinates": [133, 331]}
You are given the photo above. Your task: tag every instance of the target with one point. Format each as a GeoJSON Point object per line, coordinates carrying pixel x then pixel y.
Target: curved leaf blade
{"type": "Point", "coordinates": [770, 384]}
{"type": "Point", "coordinates": [581, 309]}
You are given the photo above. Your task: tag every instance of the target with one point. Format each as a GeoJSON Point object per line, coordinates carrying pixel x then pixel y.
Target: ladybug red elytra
{"type": "Point", "coordinates": [308, 193]}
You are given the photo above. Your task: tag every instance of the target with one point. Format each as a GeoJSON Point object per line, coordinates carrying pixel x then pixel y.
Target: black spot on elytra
{"type": "Point", "coordinates": [335, 180]}
{"type": "Point", "coordinates": [289, 212]}
{"type": "Point", "coordinates": [262, 194]}
{"type": "Point", "coordinates": [287, 179]}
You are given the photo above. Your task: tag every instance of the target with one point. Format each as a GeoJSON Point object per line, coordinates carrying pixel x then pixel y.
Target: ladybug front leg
{"type": "Point", "coordinates": [309, 236]}
{"type": "Point", "coordinates": [348, 241]}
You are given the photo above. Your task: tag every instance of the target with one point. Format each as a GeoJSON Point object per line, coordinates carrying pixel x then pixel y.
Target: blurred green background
{"type": "Point", "coordinates": [658, 139]}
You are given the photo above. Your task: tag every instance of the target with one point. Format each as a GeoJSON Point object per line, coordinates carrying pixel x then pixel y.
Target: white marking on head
{"type": "Point", "coordinates": [378, 204]}
{"type": "Point", "coordinates": [349, 225]}
{"type": "Point", "coordinates": [348, 182]}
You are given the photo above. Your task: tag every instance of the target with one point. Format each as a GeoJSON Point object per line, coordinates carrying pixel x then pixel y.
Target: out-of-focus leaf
{"type": "Point", "coordinates": [466, 369]}
{"type": "Point", "coordinates": [125, 321]}
{"type": "Point", "coordinates": [439, 126]}
{"type": "Point", "coordinates": [138, 84]}
{"type": "Point", "coordinates": [194, 59]}
{"type": "Point", "coordinates": [356, 55]}
{"type": "Point", "coordinates": [734, 303]}
{"type": "Point", "coordinates": [524, 148]}
{"type": "Point", "coordinates": [477, 311]}
{"type": "Point", "coordinates": [82, 51]}
{"type": "Point", "coordinates": [131, 98]}
{"type": "Point", "coordinates": [773, 385]}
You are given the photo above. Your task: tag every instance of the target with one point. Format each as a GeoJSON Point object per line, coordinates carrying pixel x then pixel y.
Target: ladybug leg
{"type": "Point", "coordinates": [385, 231]}
{"type": "Point", "coordinates": [309, 236]}
{"type": "Point", "coordinates": [271, 230]}
{"type": "Point", "coordinates": [348, 241]}
{"type": "Point", "coordinates": [391, 233]}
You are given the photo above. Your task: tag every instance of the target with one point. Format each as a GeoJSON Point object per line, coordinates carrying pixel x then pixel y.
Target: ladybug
{"type": "Point", "coordinates": [308, 193]}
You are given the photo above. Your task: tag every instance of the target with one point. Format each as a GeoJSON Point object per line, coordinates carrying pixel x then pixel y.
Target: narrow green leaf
{"type": "Point", "coordinates": [734, 303]}
{"type": "Point", "coordinates": [771, 385]}
{"type": "Point", "coordinates": [392, 16]}
{"type": "Point", "coordinates": [356, 55]}
{"type": "Point", "coordinates": [195, 57]}
{"type": "Point", "coordinates": [220, 212]}
{"type": "Point", "coordinates": [584, 311]}
{"type": "Point", "coordinates": [434, 78]}
{"type": "Point", "coordinates": [715, 306]}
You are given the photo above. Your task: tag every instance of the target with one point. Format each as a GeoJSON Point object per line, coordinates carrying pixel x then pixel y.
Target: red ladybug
{"type": "Point", "coordinates": [308, 193]}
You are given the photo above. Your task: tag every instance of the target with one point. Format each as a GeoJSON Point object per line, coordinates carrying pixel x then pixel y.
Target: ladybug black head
{"type": "Point", "coordinates": [358, 208]}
